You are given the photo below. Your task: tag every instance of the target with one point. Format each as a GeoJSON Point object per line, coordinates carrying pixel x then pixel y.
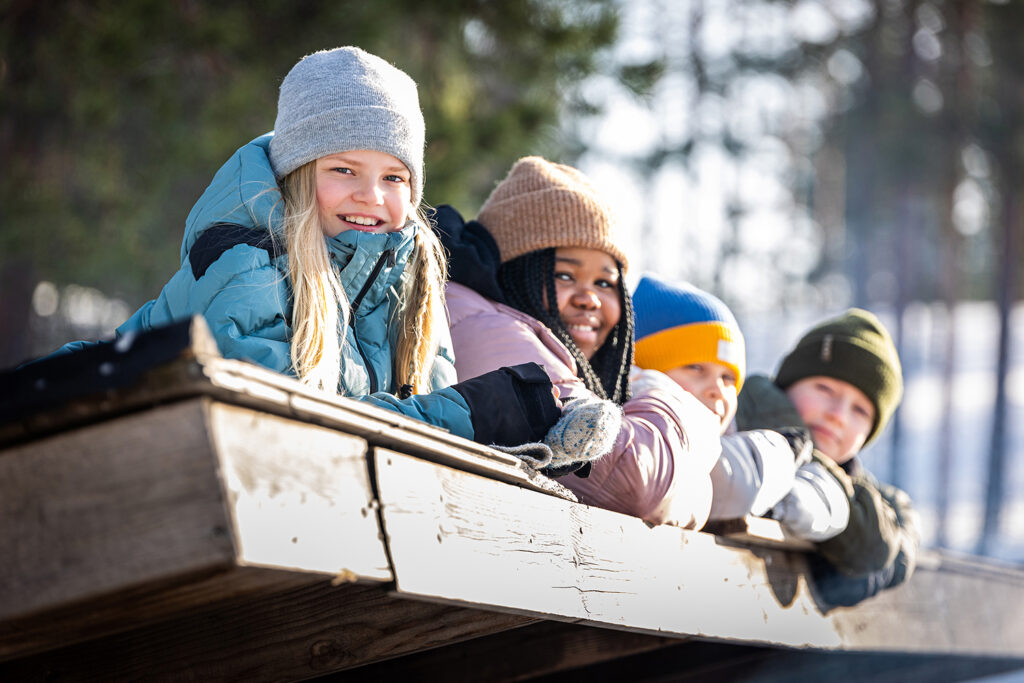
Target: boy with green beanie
{"type": "Point", "coordinates": [693, 338]}
{"type": "Point", "coordinates": [843, 381]}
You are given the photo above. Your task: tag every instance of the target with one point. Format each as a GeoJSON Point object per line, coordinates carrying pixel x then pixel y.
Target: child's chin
{"type": "Point", "coordinates": [584, 341]}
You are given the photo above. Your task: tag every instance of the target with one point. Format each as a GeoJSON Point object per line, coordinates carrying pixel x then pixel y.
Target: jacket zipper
{"type": "Point", "coordinates": [387, 257]}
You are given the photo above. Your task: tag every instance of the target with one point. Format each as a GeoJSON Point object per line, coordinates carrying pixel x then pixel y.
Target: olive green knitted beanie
{"type": "Point", "coordinates": [541, 204]}
{"type": "Point", "coordinates": [856, 348]}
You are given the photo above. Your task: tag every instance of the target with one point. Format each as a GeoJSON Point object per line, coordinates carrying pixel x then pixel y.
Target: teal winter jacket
{"type": "Point", "coordinates": [234, 272]}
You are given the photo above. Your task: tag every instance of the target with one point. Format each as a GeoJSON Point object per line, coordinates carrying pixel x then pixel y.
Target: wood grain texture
{"type": "Point", "coordinates": [458, 538]}
{"type": "Point", "coordinates": [152, 513]}
{"type": "Point", "coordinates": [947, 607]}
{"type": "Point", "coordinates": [246, 384]}
{"type": "Point", "coordinates": [300, 495]}
{"type": "Point", "coordinates": [184, 541]}
{"type": "Point", "coordinates": [291, 635]}
{"type": "Point", "coordinates": [701, 661]}
{"type": "Point", "coordinates": [197, 372]}
{"type": "Point", "coordinates": [517, 655]}
{"type": "Point", "coordinates": [135, 608]}
{"type": "Point", "coordinates": [757, 531]}
{"type": "Point", "coordinates": [109, 507]}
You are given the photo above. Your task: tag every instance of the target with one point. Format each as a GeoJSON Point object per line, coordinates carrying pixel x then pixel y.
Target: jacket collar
{"type": "Point", "coordinates": [357, 255]}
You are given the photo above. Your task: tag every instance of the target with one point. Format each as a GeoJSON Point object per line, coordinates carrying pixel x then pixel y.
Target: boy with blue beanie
{"type": "Point", "coordinates": [693, 338]}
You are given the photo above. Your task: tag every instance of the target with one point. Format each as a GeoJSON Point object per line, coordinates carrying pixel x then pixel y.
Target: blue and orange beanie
{"type": "Point", "coordinates": [679, 324]}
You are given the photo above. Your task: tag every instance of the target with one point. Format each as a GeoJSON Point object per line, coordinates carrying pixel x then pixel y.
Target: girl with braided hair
{"type": "Point", "coordinates": [533, 283]}
{"type": "Point", "coordinates": [308, 255]}
{"type": "Point", "coordinates": [537, 277]}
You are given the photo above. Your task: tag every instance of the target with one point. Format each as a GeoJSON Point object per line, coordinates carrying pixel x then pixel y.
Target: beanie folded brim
{"type": "Point", "coordinates": [708, 342]}
{"type": "Point", "coordinates": [341, 130]}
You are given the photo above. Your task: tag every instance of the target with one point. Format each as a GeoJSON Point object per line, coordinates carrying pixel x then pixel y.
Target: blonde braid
{"type": "Point", "coordinates": [423, 311]}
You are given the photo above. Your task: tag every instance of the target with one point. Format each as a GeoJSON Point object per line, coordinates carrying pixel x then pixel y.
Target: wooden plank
{"type": "Point", "coordinates": [139, 370]}
{"type": "Point", "coordinates": [757, 531]}
{"type": "Point", "coordinates": [293, 635]}
{"type": "Point", "coordinates": [122, 521]}
{"type": "Point", "coordinates": [517, 655]}
{"type": "Point", "coordinates": [200, 371]}
{"type": "Point", "coordinates": [699, 661]}
{"type": "Point", "coordinates": [946, 607]}
{"type": "Point", "coordinates": [384, 428]}
{"type": "Point", "coordinates": [557, 653]}
{"type": "Point", "coordinates": [108, 507]}
{"type": "Point", "coordinates": [246, 384]}
{"type": "Point", "coordinates": [461, 539]}
{"type": "Point", "coordinates": [300, 495]}
{"type": "Point", "coordinates": [134, 608]}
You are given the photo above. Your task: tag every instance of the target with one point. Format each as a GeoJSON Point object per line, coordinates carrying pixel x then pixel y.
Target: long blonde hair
{"type": "Point", "coordinates": [320, 308]}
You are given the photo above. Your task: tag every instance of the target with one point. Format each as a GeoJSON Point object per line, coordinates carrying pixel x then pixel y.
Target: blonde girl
{"type": "Point", "coordinates": [307, 254]}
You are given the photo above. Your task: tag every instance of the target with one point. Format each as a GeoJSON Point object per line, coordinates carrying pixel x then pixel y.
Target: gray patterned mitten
{"type": "Point", "coordinates": [586, 431]}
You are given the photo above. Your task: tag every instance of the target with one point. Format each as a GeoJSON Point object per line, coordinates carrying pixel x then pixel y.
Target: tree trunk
{"type": "Point", "coordinates": [1005, 289]}
{"type": "Point", "coordinates": [960, 107]}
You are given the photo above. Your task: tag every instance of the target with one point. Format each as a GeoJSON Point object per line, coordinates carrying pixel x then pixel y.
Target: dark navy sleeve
{"type": "Point", "coordinates": [833, 588]}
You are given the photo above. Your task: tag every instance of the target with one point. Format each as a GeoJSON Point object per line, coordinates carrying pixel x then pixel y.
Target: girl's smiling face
{"type": "Point", "coordinates": [362, 190]}
{"type": "Point", "coordinates": [838, 414]}
{"type": "Point", "coordinates": [587, 287]}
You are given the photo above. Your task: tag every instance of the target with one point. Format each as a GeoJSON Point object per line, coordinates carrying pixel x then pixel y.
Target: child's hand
{"type": "Point", "coordinates": [799, 439]}
{"type": "Point", "coordinates": [817, 508]}
{"type": "Point", "coordinates": [586, 431]}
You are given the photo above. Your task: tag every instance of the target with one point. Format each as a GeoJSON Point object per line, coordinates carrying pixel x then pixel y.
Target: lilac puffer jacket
{"type": "Point", "coordinates": [659, 467]}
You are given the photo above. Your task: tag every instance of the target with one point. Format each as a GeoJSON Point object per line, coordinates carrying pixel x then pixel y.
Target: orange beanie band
{"type": "Point", "coordinates": [680, 324]}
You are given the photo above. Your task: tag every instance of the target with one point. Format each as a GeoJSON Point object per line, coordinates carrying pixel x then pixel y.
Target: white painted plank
{"type": "Point", "coordinates": [457, 537]}
{"type": "Point", "coordinates": [299, 494]}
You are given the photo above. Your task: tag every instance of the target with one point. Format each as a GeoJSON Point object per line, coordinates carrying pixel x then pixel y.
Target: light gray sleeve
{"type": "Point", "coordinates": [754, 471]}
{"type": "Point", "coordinates": [817, 508]}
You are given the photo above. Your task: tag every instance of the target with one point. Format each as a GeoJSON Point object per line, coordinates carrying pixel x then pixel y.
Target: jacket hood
{"type": "Point", "coordinates": [243, 192]}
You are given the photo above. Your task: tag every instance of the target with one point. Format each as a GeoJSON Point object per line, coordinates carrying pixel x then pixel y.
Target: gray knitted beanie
{"type": "Point", "coordinates": [347, 99]}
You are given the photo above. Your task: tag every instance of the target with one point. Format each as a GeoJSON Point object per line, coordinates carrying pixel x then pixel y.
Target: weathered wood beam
{"type": "Point", "coordinates": [142, 504]}
{"type": "Point", "coordinates": [516, 655]}
{"type": "Point", "coordinates": [181, 362]}
{"type": "Point", "coordinates": [466, 540]}
{"type": "Point", "coordinates": [207, 519]}
{"type": "Point", "coordinates": [293, 635]}
{"type": "Point", "coordinates": [114, 505]}
{"type": "Point", "coordinates": [699, 661]}
{"type": "Point", "coordinates": [563, 653]}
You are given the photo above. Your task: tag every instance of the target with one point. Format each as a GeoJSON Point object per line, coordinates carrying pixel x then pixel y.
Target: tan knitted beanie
{"type": "Point", "coordinates": [540, 204]}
